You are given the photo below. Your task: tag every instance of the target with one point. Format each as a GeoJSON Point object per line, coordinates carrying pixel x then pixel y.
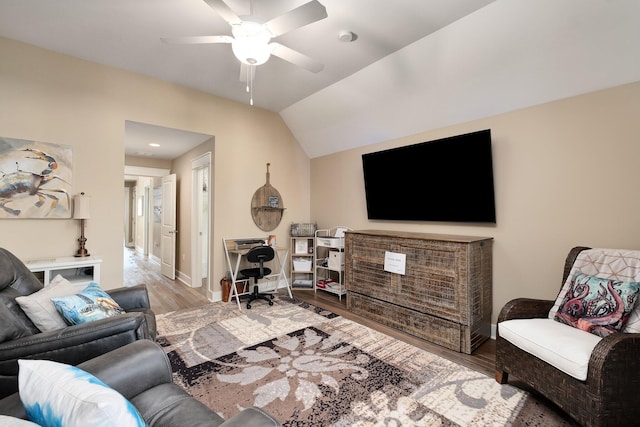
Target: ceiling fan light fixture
{"type": "Point", "coordinates": [251, 43]}
{"type": "Point", "coordinates": [251, 50]}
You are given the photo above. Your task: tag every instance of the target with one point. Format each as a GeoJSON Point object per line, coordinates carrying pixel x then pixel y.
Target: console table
{"type": "Point", "coordinates": [74, 269]}
{"type": "Point", "coordinates": [444, 295]}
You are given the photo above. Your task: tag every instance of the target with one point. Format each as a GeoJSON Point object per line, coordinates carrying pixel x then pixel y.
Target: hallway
{"type": "Point", "coordinates": [165, 294]}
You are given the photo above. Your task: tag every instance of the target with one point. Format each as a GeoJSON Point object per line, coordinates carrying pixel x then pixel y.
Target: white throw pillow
{"type": "Point", "coordinates": [55, 394]}
{"type": "Point", "coordinates": [41, 310]}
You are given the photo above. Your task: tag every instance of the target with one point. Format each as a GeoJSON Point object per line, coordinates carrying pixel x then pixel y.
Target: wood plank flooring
{"type": "Point", "coordinates": [169, 295]}
{"type": "Point", "coordinates": [164, 294]}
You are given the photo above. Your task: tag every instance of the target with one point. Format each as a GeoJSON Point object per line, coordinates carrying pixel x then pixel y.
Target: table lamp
{"type": "Point", "coordinates": [81, 211]}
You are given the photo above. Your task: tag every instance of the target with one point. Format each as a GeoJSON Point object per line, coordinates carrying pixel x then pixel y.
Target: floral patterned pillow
{"type": "Point", "coordinates": [596, 305]}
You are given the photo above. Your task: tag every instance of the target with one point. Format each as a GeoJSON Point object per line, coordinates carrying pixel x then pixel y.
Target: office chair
{"type": "Point", "coordinates": [259, 254]}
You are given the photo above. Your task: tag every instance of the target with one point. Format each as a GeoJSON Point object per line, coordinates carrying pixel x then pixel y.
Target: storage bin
{"type": "Point", "coordinates": [330, 242]}
{"type": "Point", "coordinates": [302, 264]}
{"type": "Point", "coordinates": [303, 283]}
{"type": "Point", "coordinates": [336, 260]}
{"type": "Point", "coordinates": [303, 229]}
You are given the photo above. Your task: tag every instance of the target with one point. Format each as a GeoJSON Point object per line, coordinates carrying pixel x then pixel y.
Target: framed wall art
{"type": "Point", "coordinates": [35, 179]}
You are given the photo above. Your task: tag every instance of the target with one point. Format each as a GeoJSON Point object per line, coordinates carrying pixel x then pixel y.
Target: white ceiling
{"type": "Point", "coordinates": [172, 142]}
{"type": "Point", "coordinates": [416, 64]}
{"type": "Point", "coordinates": [126, 34]}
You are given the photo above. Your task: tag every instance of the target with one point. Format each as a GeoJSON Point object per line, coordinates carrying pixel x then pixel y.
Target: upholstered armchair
{"type": "Point", "coordinates": [20, 338]}
{"type": "Point", "coordinates": [581, 351]}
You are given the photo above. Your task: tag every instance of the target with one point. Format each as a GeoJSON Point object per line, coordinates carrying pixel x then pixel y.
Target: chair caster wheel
{"type": "Point", "coordinates": [248, 306]}
{"type": "Point", "coordinates": [272, 297]}
{"type": "Point", "coordinates": [270, 302]}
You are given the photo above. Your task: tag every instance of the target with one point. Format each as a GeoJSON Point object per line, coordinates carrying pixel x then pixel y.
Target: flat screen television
{"type": "Point", "coordinates": [449, 180]}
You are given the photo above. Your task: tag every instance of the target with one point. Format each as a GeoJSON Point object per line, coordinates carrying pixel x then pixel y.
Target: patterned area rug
{"type": "Point", "coordinates": [310, 367]}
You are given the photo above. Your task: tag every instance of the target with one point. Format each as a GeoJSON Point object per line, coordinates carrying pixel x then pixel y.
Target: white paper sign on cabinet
{"type": "Point", "coordinates": [395, 262]}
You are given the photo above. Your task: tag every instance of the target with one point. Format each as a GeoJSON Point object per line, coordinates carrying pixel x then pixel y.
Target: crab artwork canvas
{"type": "Point", "coordinates": [35, 179]}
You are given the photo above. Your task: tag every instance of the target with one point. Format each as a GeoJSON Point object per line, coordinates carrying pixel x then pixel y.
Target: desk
{"type": "Point", "coordinates": [74, 269]}
{"type": "Point", "coordinates": [236, 249]}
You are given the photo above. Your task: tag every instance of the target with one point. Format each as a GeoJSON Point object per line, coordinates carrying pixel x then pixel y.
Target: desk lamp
{"type": "Point", "coordinates": [81, 211]}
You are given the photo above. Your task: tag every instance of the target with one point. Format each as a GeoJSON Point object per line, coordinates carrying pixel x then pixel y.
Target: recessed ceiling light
{"type": "Point", "coordinates": [153, 144]}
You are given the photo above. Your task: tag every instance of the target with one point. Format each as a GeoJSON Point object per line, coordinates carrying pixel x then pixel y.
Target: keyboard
{"type": "Point", "coordinates": [249, 242]}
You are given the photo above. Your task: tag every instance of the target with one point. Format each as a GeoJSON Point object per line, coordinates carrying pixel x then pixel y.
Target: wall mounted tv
{"type": "Point", "coordinates": [449, 179]}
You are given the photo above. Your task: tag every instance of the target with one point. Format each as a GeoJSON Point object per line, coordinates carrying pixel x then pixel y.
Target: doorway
{"type": "Point", "coordinates": [172, 152]}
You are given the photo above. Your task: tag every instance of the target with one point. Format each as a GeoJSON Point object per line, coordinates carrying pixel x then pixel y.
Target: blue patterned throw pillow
{"type": "Point", "coordinates": [596, 305]}
{"type": "Point", "coordinates": [92, 303]}
{"type": "Point", "coordinates": [55, 394]}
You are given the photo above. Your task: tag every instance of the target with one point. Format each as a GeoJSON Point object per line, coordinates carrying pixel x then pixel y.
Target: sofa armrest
{"type": "Point", "coordinates": [525, 308]}
{"type": "Point", "coordinates": [132, 369]}
{"type": "Point", "coordinates": [132, 297]}
{"type": "Point", "coordinates": [251, 417]}
{"type": "Point", "coordinates": [74, 344]}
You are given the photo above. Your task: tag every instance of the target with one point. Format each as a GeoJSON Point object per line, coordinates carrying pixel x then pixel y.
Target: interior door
{"type": "Point", "coordinates": [168, 227]}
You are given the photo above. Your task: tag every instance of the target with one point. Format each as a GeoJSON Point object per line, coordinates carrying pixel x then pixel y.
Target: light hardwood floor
{"type": "Point", "coordinates": [164, 294]}
{"type": "Point", "coordinates": [168, 295]}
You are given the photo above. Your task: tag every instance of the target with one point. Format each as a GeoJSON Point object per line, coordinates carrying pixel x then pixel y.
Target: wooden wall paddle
{"type": "Point", "coordinates": [267, 207]}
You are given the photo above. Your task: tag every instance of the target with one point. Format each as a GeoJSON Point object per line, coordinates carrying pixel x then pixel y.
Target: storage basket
{"type": "Point", "coordinates": [302, 264]}
{"type": "Point", "coordinates": [303, 229]}
{"type": "Point", "coordinates": [330, 242]}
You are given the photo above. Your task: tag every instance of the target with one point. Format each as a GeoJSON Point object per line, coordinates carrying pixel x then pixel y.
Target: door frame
{"type": "Point", "coordinates": [196, 249]}
{"type": "Point", "coordinates": [133, 173]}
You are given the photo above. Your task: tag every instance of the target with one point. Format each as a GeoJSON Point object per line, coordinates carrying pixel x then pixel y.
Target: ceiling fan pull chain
{"type": "Point", "coordinates": [252, 70]}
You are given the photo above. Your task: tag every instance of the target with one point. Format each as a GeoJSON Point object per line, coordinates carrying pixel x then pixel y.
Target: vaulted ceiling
{"type": "Point", "coordinates": [414, 65]}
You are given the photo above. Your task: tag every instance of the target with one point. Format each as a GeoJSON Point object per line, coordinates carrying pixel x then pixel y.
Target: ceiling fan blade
{"type": "Point", "coordinates": [296, 58]}
{"type": "Point", "coordinates": [197, 39]}
{"type": "Point", "coordinates": [296, 18]}
{"type": "Point", "coordinates": [224, 11]}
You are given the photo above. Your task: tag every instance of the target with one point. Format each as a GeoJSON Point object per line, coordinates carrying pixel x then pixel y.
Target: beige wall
{"type": "Point", "coordinates": [565, 175]}
{"type": "Point", "coordinates": [147, 162]}
{"type": "Point", "coordinates": [59, 99]}
{"type": "Point", "coordinates": [564, 171]}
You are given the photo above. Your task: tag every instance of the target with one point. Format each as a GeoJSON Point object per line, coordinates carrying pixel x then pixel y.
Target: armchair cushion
{"type": "Point", "coordinates": [564, 347]}
{"type": "Point", "coordinates": [39, 307]}
{"type": "Point", "coordinates": [92, 303]}
{"type": "Point", "coordinates": [56, 394]}
{"type": "Point", "coordinates": [596, 305]}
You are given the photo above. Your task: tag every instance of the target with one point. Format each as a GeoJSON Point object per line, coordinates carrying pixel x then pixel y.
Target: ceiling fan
{"type": "Point", "coordinates": [251, 37]}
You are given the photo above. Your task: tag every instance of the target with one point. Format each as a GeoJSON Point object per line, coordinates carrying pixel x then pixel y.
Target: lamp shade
{"type": "Point", "coordinates": [81, 206]}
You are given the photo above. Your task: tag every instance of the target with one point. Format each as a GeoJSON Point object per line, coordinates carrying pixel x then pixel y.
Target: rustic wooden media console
{"type": "Point", "coordinates": [445, 295]}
